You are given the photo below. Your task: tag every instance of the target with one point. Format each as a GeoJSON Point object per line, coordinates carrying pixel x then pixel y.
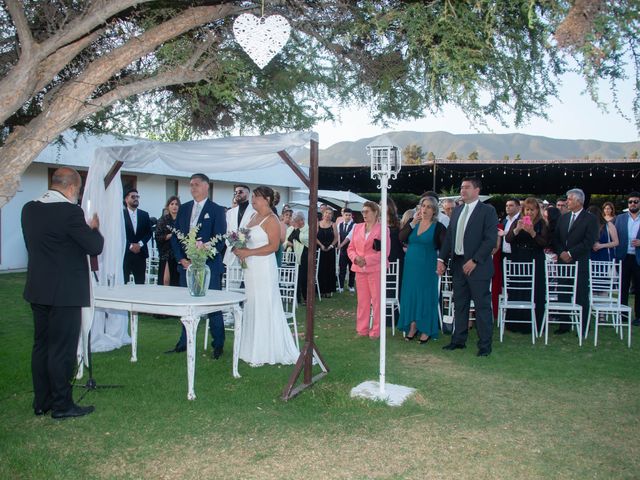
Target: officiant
{"type": "Point", "coordinates": [58, 240]}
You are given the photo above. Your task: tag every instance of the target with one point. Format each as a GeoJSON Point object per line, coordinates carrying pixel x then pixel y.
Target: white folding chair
{"type": "Point", "coordinates": [445, 295]}
{"type": "Point", "coordinates": [232, 282]}
{"type": "Point", "coordinates": [605, 304]}
{"type": "Point", "coordinates": [151, 270]}
{"type": "Point", "coordinates": [393, 292]}
{"type": "Point", "coordinates": [288, 258]}
{"type": "Point", "coordinates": [288, 283]}
{"type": "Point", "coordinates": [316, 276]}
{"type": "Point", "coordinates": [561, 298]}
{"type": "Point", "coordinates": [519, 282]}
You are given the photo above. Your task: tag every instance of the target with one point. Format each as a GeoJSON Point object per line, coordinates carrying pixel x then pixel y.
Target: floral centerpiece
{"type": "Point", "coordinates": [198, 252]}
{"type": "Point", "coordinates": [238, 239]}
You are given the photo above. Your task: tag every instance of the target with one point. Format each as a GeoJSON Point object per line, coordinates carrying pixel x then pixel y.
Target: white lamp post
{"type": "Point", "coordinates": [386, 161]}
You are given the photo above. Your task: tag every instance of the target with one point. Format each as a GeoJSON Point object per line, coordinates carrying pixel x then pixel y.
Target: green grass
{"type": "Point", "coordinates": [556, 411]}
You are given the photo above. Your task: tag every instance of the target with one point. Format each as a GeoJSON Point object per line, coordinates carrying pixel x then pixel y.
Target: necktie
{"type": "Point", "coordinates": [571, 220]}
{"type": "Point", "coordinates": [459, 249]}
{"type": "Point", "coordinates": [195, 213]}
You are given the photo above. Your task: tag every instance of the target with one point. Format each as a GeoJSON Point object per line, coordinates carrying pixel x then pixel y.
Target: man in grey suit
{"type": "Point", "coordinates": [470, 238]}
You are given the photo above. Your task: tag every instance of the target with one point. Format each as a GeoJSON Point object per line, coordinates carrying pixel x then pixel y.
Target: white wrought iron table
{"type": "Point", "coordinates": [174, 301]}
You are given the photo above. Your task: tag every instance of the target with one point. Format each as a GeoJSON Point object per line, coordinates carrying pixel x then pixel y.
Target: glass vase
{"type": "Point", "coordinates": [198, 280]}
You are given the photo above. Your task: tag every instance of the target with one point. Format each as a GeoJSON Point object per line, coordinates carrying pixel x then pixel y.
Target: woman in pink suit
{"type": "Point", "coordinates": [364, 252]}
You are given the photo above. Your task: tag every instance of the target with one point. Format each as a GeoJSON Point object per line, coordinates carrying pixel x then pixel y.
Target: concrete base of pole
{"type": "Point", "coordinates": [394, 395]}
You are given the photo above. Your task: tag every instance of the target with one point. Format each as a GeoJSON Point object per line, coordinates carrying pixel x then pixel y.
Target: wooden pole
{"type": "Point", "coordinates": [309, 350]}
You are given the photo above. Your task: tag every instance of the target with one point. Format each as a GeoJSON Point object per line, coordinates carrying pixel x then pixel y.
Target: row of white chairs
{"type": "Point", "coordinates": [605, 304]}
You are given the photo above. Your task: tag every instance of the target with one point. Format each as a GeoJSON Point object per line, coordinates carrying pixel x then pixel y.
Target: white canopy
{"type": "Point", "coordinates": [214, 158]}
{"type": "Point", "coordinates": [337, 197]}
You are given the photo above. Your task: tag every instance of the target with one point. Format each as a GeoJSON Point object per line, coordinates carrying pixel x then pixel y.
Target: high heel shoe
{"type": "Point", "coordinates": [422, 342]}
{"type": "Point", "coordinates": [408, 338]}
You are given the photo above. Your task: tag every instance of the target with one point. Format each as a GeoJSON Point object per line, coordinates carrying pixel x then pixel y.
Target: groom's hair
{"type": "Point", "coordinates": [200, 176]}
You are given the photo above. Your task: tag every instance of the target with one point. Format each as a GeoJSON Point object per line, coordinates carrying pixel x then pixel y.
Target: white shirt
{"type": "Point", "coordinates": [506, 246]}
{"type": "Point", "coordinates": [194, 221]}
{"type": "Point", "coordinates": [632, 228]}
{"type": "Point", "coordinates": [443, 219]}
{"type": "Point", "coordinates": [133, 215]}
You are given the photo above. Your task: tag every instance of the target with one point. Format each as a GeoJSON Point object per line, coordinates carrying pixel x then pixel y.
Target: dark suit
{"type": "Point", "coordinates": [479, 240]}
{"type": "Point", "coordinates": [578, 241]}
{"type": "Point", "coordinates": [58, 241]}
{"type": "Point", "coordinates": [630, 263]}
{"type": "Point", "coordinates": [136, 263]}
{"type": "Point", "coordinates": [212, 221]}
{"type": "Point", "coordinates": [344, 261]}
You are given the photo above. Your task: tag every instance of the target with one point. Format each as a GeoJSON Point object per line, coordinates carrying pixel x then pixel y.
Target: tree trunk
{"type": "Point", "coordinates": [73, 101]}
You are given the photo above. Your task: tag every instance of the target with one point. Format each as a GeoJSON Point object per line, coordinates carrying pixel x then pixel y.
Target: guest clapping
{"type": "Point", "coordinates": [419, 299]}
{"type": "Point", "coordinates": [364, 252]}
{"type": "Point", "coordinates": [528, 237]}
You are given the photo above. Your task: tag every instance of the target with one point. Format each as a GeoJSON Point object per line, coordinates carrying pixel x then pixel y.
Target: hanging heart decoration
{"type": "Point", "coordinates": [261, 37]}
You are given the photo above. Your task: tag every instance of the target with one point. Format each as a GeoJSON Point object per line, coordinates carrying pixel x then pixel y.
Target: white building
{"type": "Point", "coordinates": [154, 187]}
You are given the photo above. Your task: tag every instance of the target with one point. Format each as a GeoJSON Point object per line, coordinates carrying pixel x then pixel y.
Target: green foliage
{"type": "Point", "coordinates": [473, 156]}
{"type": "Point", "coordinates": [452, 156]}
{"type": "Point", "coordinates": [412, 154]}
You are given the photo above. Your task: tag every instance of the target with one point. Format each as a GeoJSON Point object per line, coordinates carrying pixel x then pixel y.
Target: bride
{"type": "Point", "coordinates": [266, 337]}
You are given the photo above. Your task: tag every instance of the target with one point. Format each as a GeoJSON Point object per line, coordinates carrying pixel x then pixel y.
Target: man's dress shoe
{"type": "Point", "coordinates": [454, 346]}
{"type": "Point", "coordinates": [73, 411]}
{"type": "Point", "coordinates": [217, 353]}
{"type": "Point", "coordinates": [483, 353]}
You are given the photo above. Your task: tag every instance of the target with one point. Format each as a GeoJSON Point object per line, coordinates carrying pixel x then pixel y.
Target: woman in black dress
{"type": "Point", "coordinates": [168, 268]}
{"type": "Point", "coordinates": [326, 242]}
{"type": "Point", "coordinates": [528, 239]}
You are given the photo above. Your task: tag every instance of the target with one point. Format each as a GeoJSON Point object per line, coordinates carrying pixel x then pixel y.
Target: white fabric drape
{"type": "Point", "coordinates": [217, 156]}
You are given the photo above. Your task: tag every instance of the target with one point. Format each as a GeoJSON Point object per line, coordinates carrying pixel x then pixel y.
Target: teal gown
{"type": "Point", "coordinates": [419, 296]}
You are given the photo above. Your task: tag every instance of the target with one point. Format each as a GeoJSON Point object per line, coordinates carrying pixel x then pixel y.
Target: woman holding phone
{"type": "Point", "coordinates": [529, 236]}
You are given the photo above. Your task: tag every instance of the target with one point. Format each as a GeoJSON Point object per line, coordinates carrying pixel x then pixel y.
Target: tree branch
{"type": "Point", "coordinates": [16, 10]}
{"type": "Point", "coordinates": [176, 76]}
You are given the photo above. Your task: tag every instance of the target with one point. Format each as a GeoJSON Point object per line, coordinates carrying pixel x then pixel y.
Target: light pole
{"type": "Point", "coordinates": [386, 161]}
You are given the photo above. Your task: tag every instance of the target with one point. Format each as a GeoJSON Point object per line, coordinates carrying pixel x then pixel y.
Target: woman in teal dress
{"type": "Point", "coordinates": [419, 297]}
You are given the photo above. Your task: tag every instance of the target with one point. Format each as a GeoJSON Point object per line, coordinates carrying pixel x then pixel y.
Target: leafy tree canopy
{"type": "Point", "coordinates": [172, 69]}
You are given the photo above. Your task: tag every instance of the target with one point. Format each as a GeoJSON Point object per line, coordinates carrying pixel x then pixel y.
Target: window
{"type": "Point", "coordinates": [171, 187]}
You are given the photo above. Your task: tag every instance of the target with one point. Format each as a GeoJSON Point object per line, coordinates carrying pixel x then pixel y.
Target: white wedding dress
{"type": "Point", "coordinates": [266, 337]}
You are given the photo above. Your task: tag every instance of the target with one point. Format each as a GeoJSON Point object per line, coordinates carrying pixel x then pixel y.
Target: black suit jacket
{"type": "Point", "coordinates": [579, 240]}
{"type": "Point", "coordinates": [212, 221]}
{"type": "Point", "coordinates": [58, 241]}
{"type": "Point", "coordinates": [143, 232]}
{"type": "Point", "coordinates": [480, 238]}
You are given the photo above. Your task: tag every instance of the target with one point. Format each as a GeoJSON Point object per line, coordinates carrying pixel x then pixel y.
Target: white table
{"type": "Point", "coordinates": [174, 301]}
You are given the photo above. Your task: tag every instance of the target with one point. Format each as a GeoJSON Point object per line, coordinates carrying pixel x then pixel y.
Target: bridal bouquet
{"type": "Point", "coordinates": [238, 239]}
{"type": "Point", "coordinates": [196, 250]}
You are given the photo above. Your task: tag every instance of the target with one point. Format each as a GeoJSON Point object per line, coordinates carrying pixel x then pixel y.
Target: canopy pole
{"type": "Point", "coordinates": [309, 350]}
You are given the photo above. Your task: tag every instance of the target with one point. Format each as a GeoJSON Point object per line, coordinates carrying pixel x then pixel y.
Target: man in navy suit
{"type": "Point", "coordinates": [470, 239]}
{"type": "Point", "coordinates": [574, 236]}
{"type": "Point", "coordinates": [628, 227]}
{"type": "Point", "coordinates": [212, 221]}
{"type": "Point", "coordinates": [137, 227]}
{"type": "Point", "coordinates": [58, 240]}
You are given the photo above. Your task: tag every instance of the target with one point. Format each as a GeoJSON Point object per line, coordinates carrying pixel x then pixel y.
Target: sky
{"type": "Point", "coordinates": [572, 116]}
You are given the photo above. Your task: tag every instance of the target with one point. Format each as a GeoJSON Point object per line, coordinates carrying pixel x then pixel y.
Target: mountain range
{"type": "Point", "coordinates": [488, 147]}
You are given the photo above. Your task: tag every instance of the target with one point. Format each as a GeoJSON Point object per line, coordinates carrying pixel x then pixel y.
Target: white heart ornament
{"type": "Point", "coordinates": [261, 37]}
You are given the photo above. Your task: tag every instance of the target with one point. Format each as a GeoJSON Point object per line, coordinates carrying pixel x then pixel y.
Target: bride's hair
{"type": "Point", "coordinates": [266, 193]}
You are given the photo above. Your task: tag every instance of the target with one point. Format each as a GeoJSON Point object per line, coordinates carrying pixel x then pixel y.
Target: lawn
{"type": "Point", "coordinates": [556, 411]}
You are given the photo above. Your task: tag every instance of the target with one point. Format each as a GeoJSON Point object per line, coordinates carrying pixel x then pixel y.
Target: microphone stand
{"type": "Point", "coordinates": [91, 383]}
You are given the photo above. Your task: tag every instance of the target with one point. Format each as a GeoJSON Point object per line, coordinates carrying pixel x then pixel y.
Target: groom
{"type": "Point", "coordinates": [211, 219]}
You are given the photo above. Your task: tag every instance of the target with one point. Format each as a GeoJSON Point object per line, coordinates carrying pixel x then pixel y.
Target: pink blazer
{"type": "Point", "coordinates": [361, 247]}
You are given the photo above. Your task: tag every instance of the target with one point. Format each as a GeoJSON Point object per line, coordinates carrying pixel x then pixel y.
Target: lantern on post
{"type": "Point", "coordinates": [386, 161]}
